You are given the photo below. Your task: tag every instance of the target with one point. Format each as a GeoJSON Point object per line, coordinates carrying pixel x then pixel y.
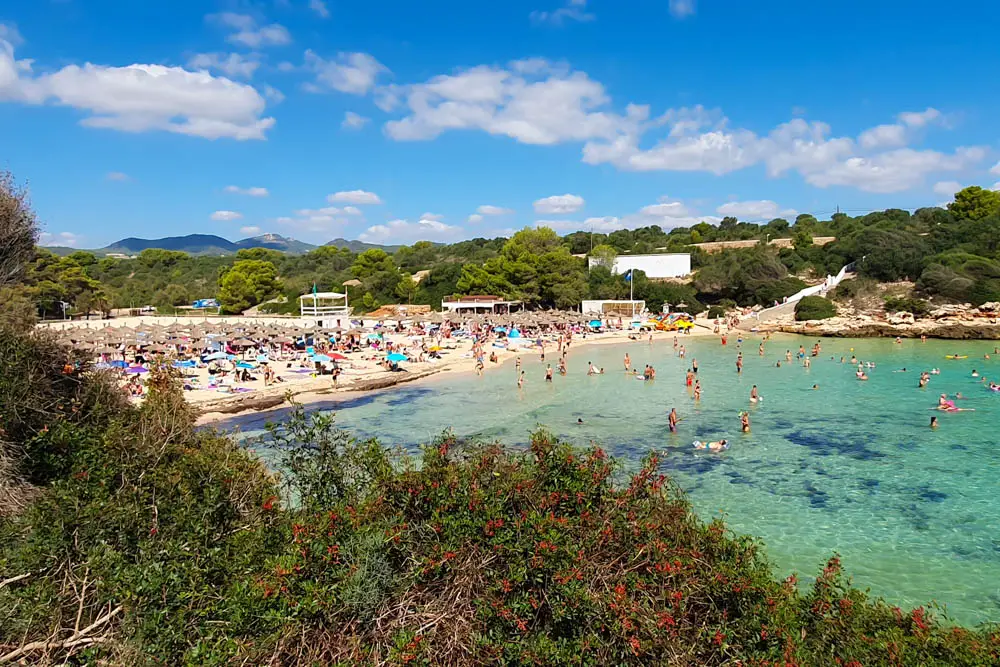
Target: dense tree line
{"type": "Point", "coordinates": [950, 254]}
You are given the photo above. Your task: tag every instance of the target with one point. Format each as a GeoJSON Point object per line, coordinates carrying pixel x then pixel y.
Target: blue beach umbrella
{"type": "Point", "coordinates": [320, 357]}
{"type": "Point", "coordinates": [514, 333]}
{"type": "Point", "coordinates": [243, 364]}
{"type": "Point", "coordinates": [396, 356]}
{"type": "Point", "coordinates": [188, 363]}
{"type": "Point", "coordinates": [595, 323]}
{"type": "Point", "coordinates": [216, 356]}
{"type": "Point", "coordinates": [117, 363]}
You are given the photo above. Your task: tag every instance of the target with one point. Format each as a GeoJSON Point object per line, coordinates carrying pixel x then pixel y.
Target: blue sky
{"type": "Point", "coordinates": [396, 121]}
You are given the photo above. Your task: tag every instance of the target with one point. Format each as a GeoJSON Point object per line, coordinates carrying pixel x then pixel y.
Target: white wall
{"type": "Point", "coordinates": [673, 265]}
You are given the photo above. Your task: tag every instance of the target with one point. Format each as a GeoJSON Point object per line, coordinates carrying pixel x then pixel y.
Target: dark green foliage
{"type": "Point", "coordinates": [898, 304]}
{"type": "Point", "coordinates": [814, 308]}
{"type": "Point", "coordinates": [476, 555]}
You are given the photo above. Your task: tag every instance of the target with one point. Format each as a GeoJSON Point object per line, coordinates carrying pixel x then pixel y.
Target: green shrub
{"type": "Point", "coordinates": [176, 543]}
{"type": "Point", "coordinates": [814, 308]}
{"type": "Point", "coordinates": [716, 311]}
{"type": "Point", "coordinates": [898, 304]}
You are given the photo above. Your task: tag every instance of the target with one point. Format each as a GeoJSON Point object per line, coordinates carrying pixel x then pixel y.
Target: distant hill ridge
{"type": "Point", "coordinates": [210, 244]}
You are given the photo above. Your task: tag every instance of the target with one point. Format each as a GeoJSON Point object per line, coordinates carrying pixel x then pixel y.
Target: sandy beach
{"type": "Point", "coordinates": [360, 372]}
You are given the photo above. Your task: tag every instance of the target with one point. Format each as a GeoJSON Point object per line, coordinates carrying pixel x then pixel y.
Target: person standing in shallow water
{"type": "Point", "coordinates": [548, 373]}
{"type": "Point", "coordinates": [628, 362]}
{"type": "Point", "coordinates": [739, 363]}
{"type": "Point", "coordinates": [672, 420]}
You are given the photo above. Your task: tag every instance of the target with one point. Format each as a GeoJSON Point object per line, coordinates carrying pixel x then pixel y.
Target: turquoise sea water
{"type": "Point", "coordinates": [852, 467]}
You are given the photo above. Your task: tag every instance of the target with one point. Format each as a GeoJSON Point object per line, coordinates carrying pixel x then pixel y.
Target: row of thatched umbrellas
{"type": "Point", "coordinates": [152, 337]}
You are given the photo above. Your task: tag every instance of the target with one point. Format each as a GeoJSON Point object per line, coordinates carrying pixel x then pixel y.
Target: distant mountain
{"type": "Point", "coordinates": [276, 242]}
{"type": "Point", "coordinates": [207, 244]}
{"type": "Point", "coordinates": [194, 244]}
{"type": "Point", "coordinates": [361, 246]}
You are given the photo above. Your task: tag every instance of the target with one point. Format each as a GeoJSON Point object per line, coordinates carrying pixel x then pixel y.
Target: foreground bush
{"type": "Point", "coordinates": [163, 545]}
{"type": "Point", "coordinates": [814, 308]}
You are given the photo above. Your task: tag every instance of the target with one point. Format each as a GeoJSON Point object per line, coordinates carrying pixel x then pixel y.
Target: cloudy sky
{"type": "Point", "coordinates": [398, 120]}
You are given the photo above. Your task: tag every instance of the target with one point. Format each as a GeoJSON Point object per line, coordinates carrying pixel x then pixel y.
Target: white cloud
{"type": "Point", "coordinates": [320, 8]}
{"type": "Point", "coordinates": [117, 176]}
{"type": "Point", "coordinates": [665, 209]}
{"type": "Point", "coordinates": [947, 188]}
{"type": "Point", "coordinates": [883, 136]}
{"type": "Point", "coordinates": [996, 187]}
{"type": "Point", "coordinates": [359, 197]}
{"type": "Point", "coordinates": [805, 147]}
{"type": "Point", "coordinates": [762, 209]}
{"type": "Point", "coordinates": [247, 32]}
{"type": "Point", "coordinates": [273, 94]}
{"type": "Point", "coordinates": [353, 121]}
{"type": "Point", "coordinates": [475, 218]}
{"type": "Point", "coordinates": [10, 34]}
{"type": "Point", "coordinates": [250, 192]}
{"type": "Point", "coordinates": [68, 239]}
{"type": "Point", "coordinates": [559, 204]}
{"type": "Point", "coordinates": [233, 65]}
{"type": "Point", "coordinates": [487, 209]}
{"type": "Point", "coordinates": [225, 216]}
{"type": "Point", "coordinates": [995, 169]}
{"type": "Point", "coordinates": [530, 101]}
{"type": "Point", "coordinates": [403, 231]}
{"type": "Point", "coordinates": [681, 8]}
{"type": "Point", "coordinates": [921, 118]}
{"type": "Point", "coordinates": [351, 210]}
{"type": "Point", "coordinates": [436, 217]}
{"type": "Point", "coordinates": [894, 171]}
{"type": "Point", "coordinates": [140, 98]}
{"type": "Point", "coordinates": [250, 231]}
{"type": "Point", "coordinates": [354, 73]}
{"type": "Point", "coordinates": [574, 10]}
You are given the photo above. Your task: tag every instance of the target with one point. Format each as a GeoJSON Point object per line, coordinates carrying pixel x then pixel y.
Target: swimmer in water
{"type": "Point", "coordinates": [520, 380]}
{"type": "Point", "coordinates": [754, 397]}
{"type": "Point", "coordinates": [975, 373]}
{"type": "Point", "coordinates": [815, 387]}
{"type": "Point", "coordinates": [934, 422]}
{"type": "Point", "coordinates": [716, 446]}
{"type": "Point", "coordinates": [579, 421]}
{"type": "Point", "coordinates": [590, 369]}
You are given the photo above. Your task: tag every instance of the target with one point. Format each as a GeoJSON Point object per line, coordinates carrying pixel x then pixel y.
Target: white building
{"type": "Point", "coordinates": [325, 309]}
{"type": "Point", "coordinates": [665, 265]}
{"type": "Point", "coordinates": [479, 303]}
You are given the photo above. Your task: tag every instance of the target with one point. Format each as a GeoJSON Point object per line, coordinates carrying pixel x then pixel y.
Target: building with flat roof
{"type": "Point", "coordinates": [325, 309]}
{"type": "Point", "coordinates": [479, 303]}
{"type": "Point", "coordinates": [656, 267]}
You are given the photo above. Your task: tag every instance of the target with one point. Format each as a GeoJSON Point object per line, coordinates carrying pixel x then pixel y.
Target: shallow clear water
{"type": "Point", "coordinates": [851, 467]}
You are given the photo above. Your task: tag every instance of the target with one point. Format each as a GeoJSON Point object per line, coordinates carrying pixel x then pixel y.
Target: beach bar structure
{"type": "Point", "coordinates": [613, 307]}
{"type": "Point", "coordinates": [325, 309]}
{"type": "Point", "coordinates": [479, 303]}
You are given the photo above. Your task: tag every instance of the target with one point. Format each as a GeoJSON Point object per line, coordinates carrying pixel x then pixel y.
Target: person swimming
{"type": "Point", "coordinates": [579, 421]}
{"type": "Point", "coordinates": [934, 421]}
{"type": "Point", "coordinates": [975, 373]}
{"type": "Point", "coordinates": [815, 387]}
{"type": "Point", "coordinates": [716, 446]}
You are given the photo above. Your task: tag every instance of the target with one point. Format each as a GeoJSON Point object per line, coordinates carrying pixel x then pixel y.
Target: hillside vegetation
{"type": "Point", "coordinates": [951, 255]}
{"type": "Point", "coordinates": [128, 537]}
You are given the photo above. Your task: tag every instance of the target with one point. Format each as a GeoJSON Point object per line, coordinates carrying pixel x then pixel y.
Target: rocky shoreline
{"type": "Point", "coordinates": [854, 328]}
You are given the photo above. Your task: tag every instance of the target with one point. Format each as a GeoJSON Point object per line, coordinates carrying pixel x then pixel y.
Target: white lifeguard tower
{"type": "Point", "coordinates": [325, 309]}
